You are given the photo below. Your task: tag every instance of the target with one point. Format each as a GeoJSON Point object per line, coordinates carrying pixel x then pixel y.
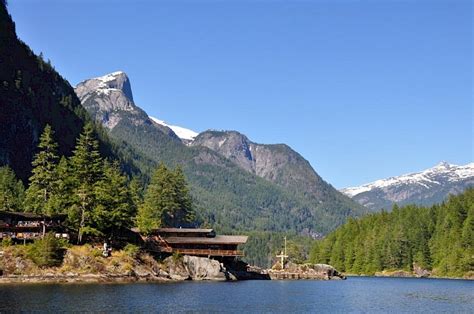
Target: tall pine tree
{"type": "Point", "coordinates": [86, 166]}
{"type": "Point", "coordinates": [41, 195]}
{"type": "Point", "coordinates": [184, 213]}
{"type": "Point", "coordinates": [115, 208]}
{"type": "Point", "coordinates": [167, 201]}
{"type": "Point", "coordinates": [11, 190]}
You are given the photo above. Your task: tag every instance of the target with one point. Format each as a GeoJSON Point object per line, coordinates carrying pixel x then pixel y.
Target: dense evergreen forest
{"type": "Point", "coordinates": [94, 193]}
{"type": "Point", "coordinates": [33, 94]}
{"type": "Point", "coordinates": [74, 168]}
{"type": "Point", "coordinates": [438, 238]}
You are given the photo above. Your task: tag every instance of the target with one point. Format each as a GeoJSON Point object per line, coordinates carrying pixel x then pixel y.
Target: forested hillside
{"type": "Point", "coordinates": [229, 198]}
{"type": "Point", "coordinates": [33, 94]}
{"type": "Point", "coordinates": [438, 238]}
{"type": "Point", "coordinates": [280, 164]}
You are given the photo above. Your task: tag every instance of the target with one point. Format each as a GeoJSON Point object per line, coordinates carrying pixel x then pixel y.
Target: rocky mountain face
{"type": "Point", "coordinates": [109, 99]}
{"type": "Point", "coordinates": [276, 163]}
{"type": "Point", "coordinates": [238, 184]}
{"type": "Point", "coordinates": [423, 188]}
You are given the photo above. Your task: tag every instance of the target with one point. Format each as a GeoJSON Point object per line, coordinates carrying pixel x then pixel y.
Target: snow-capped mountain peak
{"type": "Point", "coordinates": [182, 133]}
{"type": "Point", "coordinates": [435, 182]}
{"type": "Point", "coordinates": [115, 83]}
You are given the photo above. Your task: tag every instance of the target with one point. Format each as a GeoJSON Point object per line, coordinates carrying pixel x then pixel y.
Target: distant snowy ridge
{"type": "Point", "coordinates": [425, 178]}
{"type": "Point", "coordinates": [182, 133]}
{"type": "Point", "coordinates": [422, 188]}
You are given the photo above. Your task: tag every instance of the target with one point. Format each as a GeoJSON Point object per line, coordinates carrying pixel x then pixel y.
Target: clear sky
{"type": "Point", "coordinates": [362, 89]}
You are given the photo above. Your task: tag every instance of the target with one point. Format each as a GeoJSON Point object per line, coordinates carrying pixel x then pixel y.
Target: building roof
{"type": "Point", "coordinates": [182, 230]}
{"type": "Point", "coordinates": [220, 239]}
{"type": "Point", "coordinates": [32, 216]}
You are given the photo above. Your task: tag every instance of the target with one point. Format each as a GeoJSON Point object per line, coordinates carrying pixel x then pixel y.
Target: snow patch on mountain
{"type": "Point", "coordinates": [110, 77]}
{"type": "Point", "coordinates": [183, 133]}
{"type": "Point", "coordinates": [428, 178]}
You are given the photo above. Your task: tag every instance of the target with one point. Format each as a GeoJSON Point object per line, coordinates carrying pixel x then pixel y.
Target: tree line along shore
{"type": "Point", "coordinates": [99, 199]}
{"type": "Point", "coordinates": [436, 241]}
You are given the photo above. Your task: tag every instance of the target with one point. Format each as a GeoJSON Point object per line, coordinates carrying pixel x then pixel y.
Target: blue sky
{"type": "Point", "coordinates": [362, 89]}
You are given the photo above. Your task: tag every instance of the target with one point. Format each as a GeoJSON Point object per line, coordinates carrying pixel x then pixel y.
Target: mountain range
{"type": "Point", "coordinates": [427, 187]}
{"type": "Point", "coordinates": [238, 184]}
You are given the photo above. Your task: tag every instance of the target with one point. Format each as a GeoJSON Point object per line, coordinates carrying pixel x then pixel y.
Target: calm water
{"type": "Point", "coordinates": [352, 295]}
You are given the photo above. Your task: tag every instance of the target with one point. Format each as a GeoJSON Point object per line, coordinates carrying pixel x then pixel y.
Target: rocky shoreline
{"type": "Point", "coordinates": [82, 278]}
{"type": "Point", "coordinates": [306, 272]}
{"type": "Point", "coordinates": [81, 265]}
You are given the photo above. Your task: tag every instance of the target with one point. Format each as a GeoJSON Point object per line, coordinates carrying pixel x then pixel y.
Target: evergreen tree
{"type": "Point", "coordinates": [440, 238]}
{"type": "Point", "coordinates": [167, 201]}
{"type": "Point", "coordinates": [136, 192]}
{"type": "Point", "coordinates": [159, 201]}
{"type": "Point", "coordinates": [114, 209]}
{"type": "Point", "coordinates": [86, 167]}
{"type": "Point", "coordinates": [64, 185]}
{"type": "Point", "coordinates": [41, 195]}
{"type": "Point", "coordinates": [184, 213]}
{"type": "Point", "coordinates": [11, 190]}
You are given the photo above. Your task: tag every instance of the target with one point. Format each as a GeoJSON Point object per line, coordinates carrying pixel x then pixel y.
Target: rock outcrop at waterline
{"type": "Point", "coordinates": [86, 264]}
{"type": "Point", "coordinates": [305, 271]}
{"type": "Point", "coordinates": [196, 268]}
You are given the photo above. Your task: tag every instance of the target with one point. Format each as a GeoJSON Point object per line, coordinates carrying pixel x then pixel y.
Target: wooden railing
{"type": "Point", "coordinates": [200, 252]}
{"type": "Point", "coordinates": [208, 252]}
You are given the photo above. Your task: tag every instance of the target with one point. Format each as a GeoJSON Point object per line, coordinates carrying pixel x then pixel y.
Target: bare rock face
{"type": "Point", "coordinates": [176, 268]}
{"type": "Point", "coordinates": [107, 97]}
{"type": "Point", "coordinates": [277, 163]}
{"type": "Point", "coordinates": [201, 268]}
{"type": "Point", "coordinates": [420, 271]}
{"type": "Point", "coordinates": [266, 161]}
{"type": "Point", "coordinates": [109, 100]}
{"type": "Point", "coordinates": [196, 268]}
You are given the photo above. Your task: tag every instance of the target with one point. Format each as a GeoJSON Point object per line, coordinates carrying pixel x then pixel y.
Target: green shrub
{"type": "Point", "coordinates": [131, 250]}
{"type": "Point", "coordinates": [6, 242]}
{"type": "Point", "coordinates": [46, 252]}
{"type": "Point", "coordinates": [177, 256]}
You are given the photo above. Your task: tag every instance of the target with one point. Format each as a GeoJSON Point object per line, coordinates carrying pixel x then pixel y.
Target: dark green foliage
{"type": "Point", "coordinates": [184, 213]}
{"type": "Point", "coordinates": [438, 238]}
{"type": "Point", "coordinates": [114, 208]}
{"type": "Point", "coordinates": [132, 250]}
{"type": "Point", "coordinates": [167, 201]}
{"type": "Point", "coordinates": [230, 198]}
{"type": "Point", "coordinates": [136, 192]}
{"type": "Point", "coordinates": [86, 165]}
{"type": "Point", "coordinates": [32, 95]}
{"type": "Point", "coordinates": [46, 252]}
{"type": "Point", "coordinates": [42, 193]}
{"type": "Point", "coordinates": [6, 242]}
{"type": "Point", "coordinates": [11, 190]}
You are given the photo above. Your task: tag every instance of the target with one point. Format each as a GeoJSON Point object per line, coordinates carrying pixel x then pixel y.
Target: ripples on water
{"type": "Point", "coordinates": [353, 295]}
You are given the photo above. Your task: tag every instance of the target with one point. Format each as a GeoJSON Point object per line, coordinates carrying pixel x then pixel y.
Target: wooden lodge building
{"type": "Point", "coordinates": [26, 227]}
{"type": "Point", "coordinates": [193, 241]}
{"type": "Point", "coordinates": [23, 227]}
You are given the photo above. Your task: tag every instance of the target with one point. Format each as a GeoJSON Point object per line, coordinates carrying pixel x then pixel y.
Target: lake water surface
{"type": "Point", "coordinates": [357, 294]}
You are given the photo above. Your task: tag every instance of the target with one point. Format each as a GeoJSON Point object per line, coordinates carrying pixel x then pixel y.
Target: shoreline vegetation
{"type": "Point", "coordinates": [85, 264]}
{"type": "Point", "coordinates": [436, 241]}
{"type": "Point", "coordinates": [99, 200]}
{"type": "Point", "coordinates": [102, 194]}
